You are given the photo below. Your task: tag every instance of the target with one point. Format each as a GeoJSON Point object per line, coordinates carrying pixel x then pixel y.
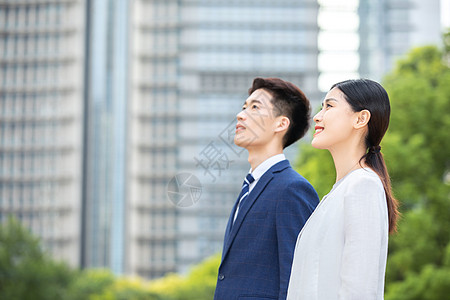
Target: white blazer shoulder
{"type": "Point", "coordinates": [341, 251]}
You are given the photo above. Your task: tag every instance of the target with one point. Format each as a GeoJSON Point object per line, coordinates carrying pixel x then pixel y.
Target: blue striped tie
{"type": "Point", "coordinates": [244, 192]}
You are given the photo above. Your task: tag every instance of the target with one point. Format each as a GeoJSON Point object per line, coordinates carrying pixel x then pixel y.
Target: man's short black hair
{"type": "Point", "coordinates": [289, 101]}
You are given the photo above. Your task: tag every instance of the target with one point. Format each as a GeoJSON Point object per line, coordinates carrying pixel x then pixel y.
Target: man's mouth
{"type": "Point", "coordinates": [239, 128]}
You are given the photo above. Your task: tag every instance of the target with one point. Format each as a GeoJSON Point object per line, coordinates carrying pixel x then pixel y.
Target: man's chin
{"type": "Point", "coordinates": [243, 143]}
{"type": "Point", "coordinates": [238, 142]}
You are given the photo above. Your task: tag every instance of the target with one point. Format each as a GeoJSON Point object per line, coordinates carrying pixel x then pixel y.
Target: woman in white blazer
{"type": "Point", "coordinates": [342, 249]}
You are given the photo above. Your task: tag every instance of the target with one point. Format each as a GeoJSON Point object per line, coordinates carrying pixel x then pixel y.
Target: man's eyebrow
{"type": "Point", "coordinates": [252, 101]}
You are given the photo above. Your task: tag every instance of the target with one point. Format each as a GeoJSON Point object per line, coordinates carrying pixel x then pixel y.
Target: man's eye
{"type": "Point", "coordinates": [255, 106]}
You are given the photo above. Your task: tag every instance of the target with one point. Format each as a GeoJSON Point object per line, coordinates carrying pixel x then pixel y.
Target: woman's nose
{"type": "Point", "coordinates": [318, 117]}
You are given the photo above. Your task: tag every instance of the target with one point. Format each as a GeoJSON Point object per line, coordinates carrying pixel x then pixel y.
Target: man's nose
{"type": "Point", "coordinates": [241, 115]}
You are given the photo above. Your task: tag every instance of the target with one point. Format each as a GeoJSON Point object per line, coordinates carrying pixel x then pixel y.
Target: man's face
{"type": "Point", "coordinates": [256, 122]}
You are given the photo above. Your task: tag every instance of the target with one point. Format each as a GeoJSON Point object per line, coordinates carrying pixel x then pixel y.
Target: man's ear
{"type": "Point", "coordinates": [362, 119]}
{"type": "Point", "coordinates": [282, 123]}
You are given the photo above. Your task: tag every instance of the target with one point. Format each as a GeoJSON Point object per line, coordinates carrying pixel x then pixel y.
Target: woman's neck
{"type": "Point", "coordinates": [347, 159]}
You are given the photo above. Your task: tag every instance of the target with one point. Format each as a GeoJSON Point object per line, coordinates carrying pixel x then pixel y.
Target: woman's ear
{"type": "Point", "coordinates": [282, 124]}
{"type": "Point", "coordinates": [363, 118]}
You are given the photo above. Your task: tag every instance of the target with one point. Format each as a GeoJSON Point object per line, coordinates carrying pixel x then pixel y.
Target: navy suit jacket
{"type": "Point", "coordinates": [258, 250]}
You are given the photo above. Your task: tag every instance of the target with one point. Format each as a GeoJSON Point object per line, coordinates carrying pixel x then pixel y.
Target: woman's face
{"type": "Point", "coordinates": [335, 122]}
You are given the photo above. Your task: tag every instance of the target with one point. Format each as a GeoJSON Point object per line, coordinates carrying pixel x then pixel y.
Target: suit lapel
{"type": "Point", "coordinates": [229, 225]}
{"type": "Point", "coordinates": [248, 203]}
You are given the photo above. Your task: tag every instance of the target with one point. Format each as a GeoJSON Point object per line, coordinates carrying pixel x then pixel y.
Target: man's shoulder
{"type": "Point", "coordinates": [290, 174]}
{"type": "Point", "coordinates": [289, 179]}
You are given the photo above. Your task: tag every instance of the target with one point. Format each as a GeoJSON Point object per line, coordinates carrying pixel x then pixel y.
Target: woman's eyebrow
{"type": "Point", "coordinates": [329, 100]}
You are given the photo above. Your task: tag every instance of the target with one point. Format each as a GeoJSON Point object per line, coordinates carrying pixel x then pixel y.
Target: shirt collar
{"type": "Point", "coordinates": [266, 165]}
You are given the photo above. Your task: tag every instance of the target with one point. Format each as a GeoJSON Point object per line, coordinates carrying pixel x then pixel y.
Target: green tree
{"type": "Point", "coordinates": [416, 149]}
{"type": "Point", "coordinates": [417, 152]}
{"type": "Point", "coordinates": [89, 283]}
{"type": "Point", "coordinates": [317, 167]}
{"type": "Point", "coordinates": [127, 289]}
{"type": "Point", "coordinates": [446, 38]}
{"type": "Point", "coordinates": [199, 284]}
{"type": "Point", "coordinates": [100, 284]}
{"type": "Point", "coordinates": [431, 283]}
{"type": "Point", "coordinates": [26, 271]}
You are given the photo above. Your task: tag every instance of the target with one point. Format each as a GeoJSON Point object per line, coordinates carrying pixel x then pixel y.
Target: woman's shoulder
{"type": "Point", "coordinates": [363, 176]}
{"type": "Point", "coordinates": [363, 181]}
{"type": "Point", "coordinates": [364, 184]}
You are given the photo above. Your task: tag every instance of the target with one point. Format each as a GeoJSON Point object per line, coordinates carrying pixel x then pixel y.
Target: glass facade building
{"type": "Point", "coordinates": [192, 64]}
{"type": "Point", "coordinates": [104, 103]}
{"type": "Point", "coordinates": [41, 119]}
{"type": "Point", "coordinates": [105, 143]}
{"type": "Point", "coordinates": [390, 28]}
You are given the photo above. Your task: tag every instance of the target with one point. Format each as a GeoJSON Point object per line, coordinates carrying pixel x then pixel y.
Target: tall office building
{"type": "Point", "coordinates": [41, 117]}
{"type": "Point", "coordinates": [105, 173]}
{"type": "Point", "coordinates": [390, 28]}
{"type": "Point", "coordinates": [140, 97]}
{"type": "Point", "coordinates": [364, 38]}
{"type": "Point", "coordinates": [192, 63]}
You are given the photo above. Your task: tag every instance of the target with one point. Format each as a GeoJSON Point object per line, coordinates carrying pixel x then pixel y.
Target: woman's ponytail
{"type": "Point", "coordinates": [374, 159]}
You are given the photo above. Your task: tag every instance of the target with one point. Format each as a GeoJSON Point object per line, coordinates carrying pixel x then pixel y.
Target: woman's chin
{"type": "Point", "coordinates": [317, 145]}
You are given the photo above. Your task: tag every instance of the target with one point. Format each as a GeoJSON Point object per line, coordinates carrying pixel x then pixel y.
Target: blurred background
{"type": "Point", "coordinates": [117, 117]}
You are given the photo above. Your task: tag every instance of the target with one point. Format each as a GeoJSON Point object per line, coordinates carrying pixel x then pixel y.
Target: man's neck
{"type": "Point", "coordinates": [255, 158]}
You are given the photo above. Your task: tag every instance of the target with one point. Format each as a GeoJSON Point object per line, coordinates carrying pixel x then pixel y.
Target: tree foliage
{"type": "Point", "coordinates": [446, 38]}
{"type": "Point", "coordinates": [26, 271]}
{"type": "Point", "coordinates": [416, 149]}
{"type": "Point", "coordinates": [199, 284]}
{"type": "Point", "coordinates": [317, 167]}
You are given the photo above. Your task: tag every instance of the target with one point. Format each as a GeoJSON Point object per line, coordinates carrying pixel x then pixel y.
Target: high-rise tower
{"type": "Point", "coordinates": [389, 28]}
{"type": "Point", "coordinates": [41, 119]}
{"type": "Point", "coordinates": [192, 63]}
{"type": "Point", "coordinates": [106, 104]}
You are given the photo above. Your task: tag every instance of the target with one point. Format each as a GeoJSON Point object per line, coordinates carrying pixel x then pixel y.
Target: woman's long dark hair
{"type": "Point", "coordinates": [367, 94]}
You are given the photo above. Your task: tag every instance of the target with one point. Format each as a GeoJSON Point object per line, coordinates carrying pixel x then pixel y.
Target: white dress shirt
{"type": "Point", "coordinates": [341, 251]}
{"type": "Point", "coordinates": [263, 167]}
{"type": "Point", "coordinates": [259, 172]}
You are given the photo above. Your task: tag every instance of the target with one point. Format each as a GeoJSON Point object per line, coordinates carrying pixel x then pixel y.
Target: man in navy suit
{"type": "Point", "coordinates": [275, 201]}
